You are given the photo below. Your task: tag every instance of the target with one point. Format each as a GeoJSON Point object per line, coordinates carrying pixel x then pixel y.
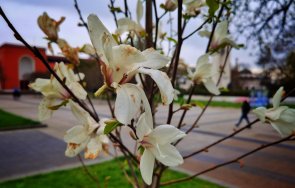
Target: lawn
{"type": "Point", "coordinates": [219, 104]}
{"type": "Point", "coordinates": [108, 173]}
{"type": "Point", "coordinates": [12, 121]}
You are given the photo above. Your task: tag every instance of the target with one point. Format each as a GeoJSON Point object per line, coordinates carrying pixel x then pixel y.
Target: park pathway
{"type": "Point", "coordinates": [26, 152]}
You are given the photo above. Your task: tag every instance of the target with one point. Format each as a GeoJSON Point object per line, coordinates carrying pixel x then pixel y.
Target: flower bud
{"type": "Point", "coordinates": [49, 26]}
{"type": "Point", "coordinates": [170, 5]}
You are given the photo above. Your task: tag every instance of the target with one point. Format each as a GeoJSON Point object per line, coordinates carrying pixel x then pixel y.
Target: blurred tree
{"type": "Point", "coordinates": [264, 20]}
{"type": "Point", "coordinates": [270, 26]}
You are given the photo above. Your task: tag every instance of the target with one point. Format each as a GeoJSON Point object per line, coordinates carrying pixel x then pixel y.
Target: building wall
{"type": "Point", "coordinates": [10, 56]}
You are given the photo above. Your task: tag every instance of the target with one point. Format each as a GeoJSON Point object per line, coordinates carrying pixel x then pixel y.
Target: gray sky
{"type": "Point", "coordinates": [24, 13]}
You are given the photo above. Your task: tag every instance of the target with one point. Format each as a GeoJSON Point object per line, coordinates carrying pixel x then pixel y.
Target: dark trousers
{"type": "Point", "coordinates": [243, 116]}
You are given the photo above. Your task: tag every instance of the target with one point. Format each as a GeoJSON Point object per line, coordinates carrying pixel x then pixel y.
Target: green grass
{"type": "Point", "coordinates": [109, 174]}
{"type": "Point", "coordinates": [224, 104]}
{"type": "Point", "coordinates": [12, 121]}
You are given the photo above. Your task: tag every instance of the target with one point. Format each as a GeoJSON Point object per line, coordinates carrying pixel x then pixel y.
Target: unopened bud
{"type": "Point", "coordinates": [170, 5]}
{"type": "Point", "coordinates": [132, 135]}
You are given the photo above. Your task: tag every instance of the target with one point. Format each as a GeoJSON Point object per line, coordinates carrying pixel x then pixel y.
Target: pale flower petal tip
{"type": "Point", "coordinates": [276, 100]}
{"type": "Point", "coordinates": [282, 118]}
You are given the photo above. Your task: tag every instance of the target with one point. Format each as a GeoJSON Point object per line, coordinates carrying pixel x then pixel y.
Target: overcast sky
{"type": "Point", "coordinates": [24, 13]}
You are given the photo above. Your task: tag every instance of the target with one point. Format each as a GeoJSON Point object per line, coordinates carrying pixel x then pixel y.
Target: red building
{"type": "Point", "coordinates": [17, 63]}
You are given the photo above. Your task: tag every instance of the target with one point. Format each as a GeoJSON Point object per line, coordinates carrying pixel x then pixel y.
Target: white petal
{"type": "Point", "coordinates": [127, 25]}
{"type": "Point", "coordinates": [169, 155]}
{"type": "Point", "coordinates": [203, 68]}
{"type": "Point", "coordinates": [97, 32]}
{"type": "Point", "coordinates": [275, 113]}
{"type": "Point", "coordinates": [211, 87]}
{"type": "Point", "coordinates": [276, 100]}
{"type": "Point", "coordinates": [288, 116]}
{"type": "Point", "coordinates": [43, 111]}
{"type": "Point", "coordinates": [93, 148]}
{"type": "Point", "coordinates": [166, 134]}
{"type": "Point", "coordinates": [74, 149]}
{"type": "Point", "coordinates": [147, 163]}
{"type": "Point", "coordinates": [139, 11]}
{"type": "Point", "coordinates": [227, 40]}
{"type": "Point", "coordinates": [78, 90]}
{"type": "Point", "coordinates": [125, 61]}
{"type": "Point", "coordinates": [260, 113]}
{"type": "Point", "coordinates": [284, 128]}
{"type": "Point", "coordinates": [205, 33]}
{"type": "Point", "coordinates": [163, 82]}
{"type": "Point", "coordinates": [40, 84]}
{"type": "Point", "coordinates": [143, 126]}
{"type": "Point", "coordinates": [127, 104]}
{"type": "Point", "coordinates": [154, 59]}
{"type": "Point", "coordinates": [221, 30]}
{"type": "Point", "coordinates": [77, 135]}
{"type": "Point", "coordinates": [79, 112]}
{"type": "Point", "coordinates": [126, 55]}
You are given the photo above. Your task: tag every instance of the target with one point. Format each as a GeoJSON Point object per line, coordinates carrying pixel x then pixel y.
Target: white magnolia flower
{"type": "Point", "coordinates": [204, 73]}
{"type": "Point", "coordinates": [282, 118]}
{"type": "Point", "coordinates": [88, 136]}
{"type": "Point", "coordinates": [128, 25]}
{"type": "Point", "coordinates": [54, 92]}
{"type": "Point", "coordinates": [121, 62]}
{"type": "Point", "coordinates": [220, 37]}
{"type": "Point", "coordinates": [193, 6]}
{"type": "Point", "coordinates": [157, 145]}
{"type": "Point", "coordinates": [130, 98]}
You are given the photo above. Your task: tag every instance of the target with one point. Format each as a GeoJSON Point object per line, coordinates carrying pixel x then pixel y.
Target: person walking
{"type": "Point", "coordinates": [245, 110]}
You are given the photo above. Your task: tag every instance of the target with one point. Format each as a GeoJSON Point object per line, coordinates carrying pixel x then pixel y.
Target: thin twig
{"type": "Point", "coordinates": [234, 133]}
{"type": "Point", "coordinates": [80, 15]}
{"type": "Point", "coordinates": [229, 162]}
{"type": "Point", "coordinates": [87, 171]}
{"type": "Point", "coordinates": [196, 30]}
{"type": "Point", "coordinates": [180, 30]}
{"type": "Point", "coordinates": [87, 96]}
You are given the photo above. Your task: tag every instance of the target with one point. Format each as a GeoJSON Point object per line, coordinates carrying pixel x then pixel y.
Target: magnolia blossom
{"type": "Point", "coordinates": [121, 62]}
{"type": "Point", "coordinates": [220, 37]}
{"type": "Point", "coordinates": [89, 135]}
{"type": "Point", "coordinates": [282, 118]}
{"type": "Point", "coordinates": [128, 25]}
{"type": "Point", "coordinates": [49, 26]}
{"type": "Point", "coordinates": [193, 6]}
{"type": "Point", "coordinates": [54, 92]}
{"type": "Point", "coordinates": [157, 145]}
{"type": "Point", "coordinates": [204, 74]}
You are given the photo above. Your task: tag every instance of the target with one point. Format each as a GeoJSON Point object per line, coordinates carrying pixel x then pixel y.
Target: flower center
{"type": "Point", "coordinates": [145, 142]}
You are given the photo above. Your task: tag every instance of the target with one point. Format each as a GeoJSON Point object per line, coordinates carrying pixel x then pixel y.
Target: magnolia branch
{"type": "Point", "coordinates": [207, 50]}
{"type": "Point", "coordinates": [288, 138]}
{"type": "Point", "coordinates": [37, 53]}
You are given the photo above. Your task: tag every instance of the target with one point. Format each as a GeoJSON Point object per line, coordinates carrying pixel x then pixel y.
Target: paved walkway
{"type": "Point", "coordinates": [44, 147]}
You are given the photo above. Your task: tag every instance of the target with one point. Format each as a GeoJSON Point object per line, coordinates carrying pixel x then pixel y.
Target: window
{"type": "Point", "coordinates": [26, 67]}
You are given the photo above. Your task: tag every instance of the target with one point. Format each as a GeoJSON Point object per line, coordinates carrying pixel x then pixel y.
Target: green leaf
{"type": "Point", "coordinates": [213, 6]}
{"type": "Point", "coordinates": [111, 125]}
{"type": "Point", "coordinates": [172, 40]}
{"type": "Point", "coordinates": [199, 104]}
{"type": "Point", "coordinates": [56, 107]}
{"type": "Point", "coordinates": [141, 149]}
